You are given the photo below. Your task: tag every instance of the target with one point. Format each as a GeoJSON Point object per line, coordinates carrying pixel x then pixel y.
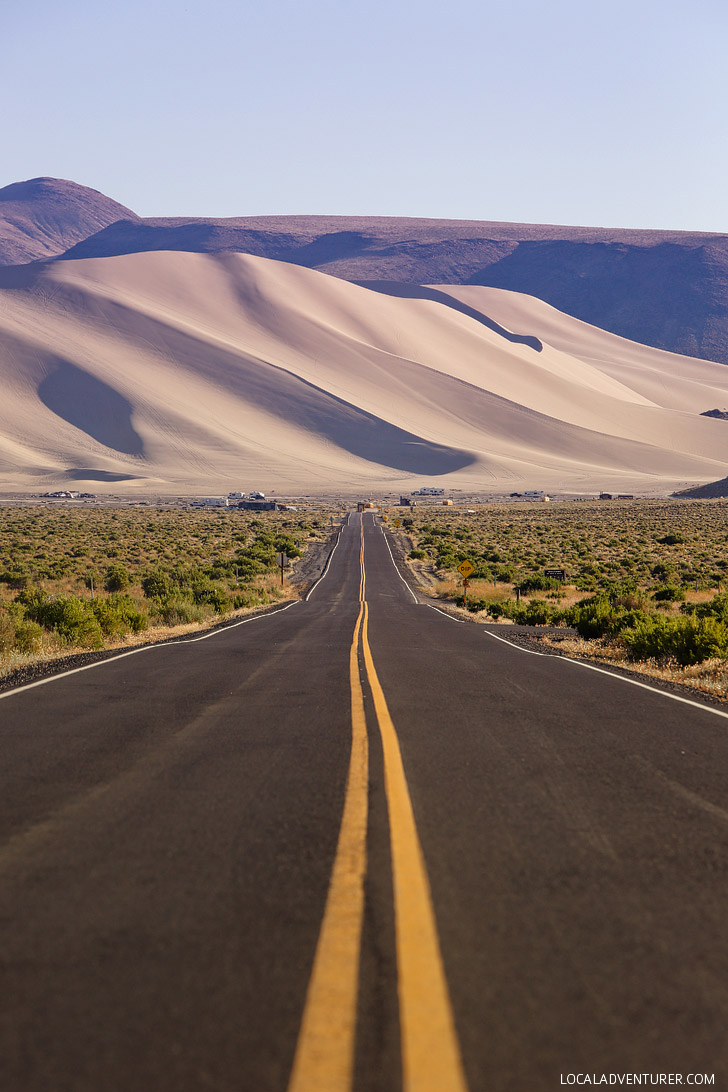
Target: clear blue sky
{"type": "Point", "coordinates": [570, 112]}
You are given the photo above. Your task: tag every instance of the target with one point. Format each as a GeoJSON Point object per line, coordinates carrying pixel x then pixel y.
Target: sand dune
{"type": "Point", "coordinates": [175, 372]}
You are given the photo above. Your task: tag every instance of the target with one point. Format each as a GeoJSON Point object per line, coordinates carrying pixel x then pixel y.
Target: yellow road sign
{"type": "Point", "coordinates": [397, 522]}
{"type": "Point", "coordinates": [465, 568]}
{"type": "Point", "coordinates": [385, 517]}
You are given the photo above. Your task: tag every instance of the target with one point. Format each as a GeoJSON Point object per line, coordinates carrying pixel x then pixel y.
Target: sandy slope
{"type": "Point", "coordinates": [186, 372]}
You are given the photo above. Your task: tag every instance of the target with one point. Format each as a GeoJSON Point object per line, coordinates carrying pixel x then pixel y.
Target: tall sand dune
{"type": "Point", "coordinates": [177, 372]}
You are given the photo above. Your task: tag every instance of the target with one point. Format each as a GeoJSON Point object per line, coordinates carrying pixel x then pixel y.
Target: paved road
{"type": "Point", "coordinates": [358, 844]}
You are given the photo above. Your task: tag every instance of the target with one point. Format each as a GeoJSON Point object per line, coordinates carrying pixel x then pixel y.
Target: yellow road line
{"type": "Point", "coordinates": [431, 1059]}
{"type": "Point", "coordinates": [324, 1058]}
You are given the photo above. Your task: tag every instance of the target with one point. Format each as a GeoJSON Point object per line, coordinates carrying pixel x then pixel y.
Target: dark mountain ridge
{"type": "Point", "coordinates": [663, 288]}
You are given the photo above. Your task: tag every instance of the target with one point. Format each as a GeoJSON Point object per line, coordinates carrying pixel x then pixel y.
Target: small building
{"type": "Point", "coordinates": [258, 505]}
{"type": "Point", "coordinates": [605, 496]}
{"type": "Point", "coordinates": [625, 496]}
{"type": "Point", "coordinates": [210, 502]}
{"type": "Point", "coordinates": [406, 502]}
{"type": "Point", "coordinates": [447, 503]}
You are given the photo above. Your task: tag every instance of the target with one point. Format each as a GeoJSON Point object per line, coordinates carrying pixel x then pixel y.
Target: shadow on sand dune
{"type": "Point", "coordinates": [421, 292]}
{"type": "Point", "coordinates": [91, 406]}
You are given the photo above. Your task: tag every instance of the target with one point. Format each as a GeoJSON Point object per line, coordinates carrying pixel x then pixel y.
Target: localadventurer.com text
{"type": "Point", "coordinates": [638, 1078]}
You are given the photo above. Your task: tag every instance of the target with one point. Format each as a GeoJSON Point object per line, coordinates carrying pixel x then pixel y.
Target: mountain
{"type": "Point", "coordinates": [201, 373]}
{"type": "Point", "coordinates": [44, 217]}
{"type": "Point", "coordinates": [709, 491]}
{"type": "Point", "coordinates": [668, 289]}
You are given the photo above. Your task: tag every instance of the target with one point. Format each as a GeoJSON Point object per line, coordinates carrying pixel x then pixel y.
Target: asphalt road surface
{"type": "Point", "coordinates": [357, 844]}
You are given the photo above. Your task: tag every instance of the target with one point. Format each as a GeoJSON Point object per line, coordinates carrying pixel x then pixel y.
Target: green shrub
{"type": "Point", "coordinates": [538, 582]}
{"type": "Point", "coordinates": [118, 614]}
{"type": "Point", "coordinates": [15, 578]}
{"type": "Point", "coordinates": [717, 607]}
{"type": "Point", "coordinates": [28, 636]}
{"type": "Point", "coordinates": [246, 599]}
{"type": "Point", "coordinates": [669, 593]}
{"type": "Point", "coordinates": [536, 612]}
{"type": "Point", "coordinates": [179, 612]}
{"type": "Point", "coordinates": [607, 612]}
{"type": "Point", "coordinates": [71, 618]}
{"type": "Point", "coordinates": [689, 640]}
{"type": "Point", "coordinates": [117, 578]}
{"type": "Point", "coordinates": [156, 585]}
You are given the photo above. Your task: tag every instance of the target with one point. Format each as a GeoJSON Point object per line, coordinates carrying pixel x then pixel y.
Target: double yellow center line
{"type": "Point", "coordinates": [324, 1059]}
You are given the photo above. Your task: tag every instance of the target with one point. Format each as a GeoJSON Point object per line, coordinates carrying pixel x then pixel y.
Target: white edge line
{"type": "Point", "coordinates": [312, 589]}
{"type": "Point", "coordinates": [399, 574]}
{"type": "Point", "coordinates": [144, 648]}
{"type": "Point", "coordinates": [462, 621]}
{"type": "Point", "coordinates": [615, 675]}
{"type": "Point", "coordinates": [166, 644]}
{"type": "Point", "coordinates": [591, 667]}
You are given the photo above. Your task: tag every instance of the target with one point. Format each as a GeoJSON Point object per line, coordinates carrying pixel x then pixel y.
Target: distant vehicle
{"type": "Point", "coordinates": [210, 502]}
{"type": "Point", "coordinates": [236, 496]}
{"type": "Point", "coordinates": [255, 494]}
{"type": "Point", "coordinates": [428, 491]}
{"type": "Point", "coordinates": [533, 493]}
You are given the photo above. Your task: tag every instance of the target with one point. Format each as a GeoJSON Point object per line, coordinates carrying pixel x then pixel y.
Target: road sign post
{"type": "Point", "coordinates": [465, 568]}
{"type": "Point", "coordinates": [282, 560]}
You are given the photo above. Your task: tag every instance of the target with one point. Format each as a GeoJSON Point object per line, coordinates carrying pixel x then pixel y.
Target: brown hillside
{"type": "Point", "coordinates": [43, 217]}
{"type": "Point", "coordinates": [712, 490]}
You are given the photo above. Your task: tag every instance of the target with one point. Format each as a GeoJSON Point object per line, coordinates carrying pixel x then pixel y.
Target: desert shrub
{"type": "Point", "coordinates": [539, 582]}
{"type": "Point", "coordinates": [418, 555]}
{"type": "Point", "coordinates": [717, 608]}
{"type": "Point", "coordinates": [669, 593]}
{"type": "Point", "coordinates": [118, 614]}
{"type": "Point", "coordinates": [156, 585]}
{"type": "Point", "coordinates": [117, 578]}
{"type": "Point", "coordinates": [28, 636]}
{"type": "Point", "coordinates": [178, 612]}
{"type": "Point", "coordinates": [15, 578]}
{"type": "Point", "coordinates": [689, 640]}
{"type": "Point", "coordinates": [473, 603]}
{"type": "Point", "coordinates": [213, 597]}
{"type": "Point", "coordinates": [536, 612]}
{"type": "Point", "coordinates": [497, 610]}
{"type": "Point", "coordinates": [249, 598]}
{"type": "Point", "coordinates": [71, 618]}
